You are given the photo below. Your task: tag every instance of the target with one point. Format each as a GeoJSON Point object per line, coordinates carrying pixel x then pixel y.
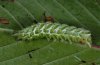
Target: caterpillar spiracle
{"type": "Point", "coordinates": [57, 32]}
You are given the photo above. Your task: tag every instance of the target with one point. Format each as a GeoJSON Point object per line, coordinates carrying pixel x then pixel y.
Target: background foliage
{"type": "Point", "coordinates": [22, 13]}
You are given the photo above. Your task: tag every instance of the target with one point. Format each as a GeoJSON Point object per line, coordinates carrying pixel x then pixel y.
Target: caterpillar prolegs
{"type": "Point", "coordinates": [57, 32]}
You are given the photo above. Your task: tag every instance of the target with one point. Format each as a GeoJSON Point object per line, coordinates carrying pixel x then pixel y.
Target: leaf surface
{"type": "Point", "coordinates": [22, 13]}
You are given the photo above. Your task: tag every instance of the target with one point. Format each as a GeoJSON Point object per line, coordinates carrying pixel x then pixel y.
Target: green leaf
{"type": "Point", "coordinates": [22, 13]}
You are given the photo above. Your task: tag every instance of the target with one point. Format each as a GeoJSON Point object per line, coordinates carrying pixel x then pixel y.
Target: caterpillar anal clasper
{"type": "Point", "coordinates": [56, 31]}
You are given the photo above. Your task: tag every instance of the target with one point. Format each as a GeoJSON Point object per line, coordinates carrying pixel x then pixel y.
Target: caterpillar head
{"type": "Point", "coordinates": [86, 39]}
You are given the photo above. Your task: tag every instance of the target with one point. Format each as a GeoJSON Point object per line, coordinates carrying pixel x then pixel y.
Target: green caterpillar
{"type": "Point", "coordinates": [56, 32]}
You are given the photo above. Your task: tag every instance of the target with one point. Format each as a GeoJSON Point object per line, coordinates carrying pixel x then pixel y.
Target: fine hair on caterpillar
{"type": "Point", "coordinates": [56, 32]}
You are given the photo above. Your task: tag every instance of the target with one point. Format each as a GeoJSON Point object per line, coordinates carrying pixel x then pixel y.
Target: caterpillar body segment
{"type": "Point", "coordinates": [56, 31]}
